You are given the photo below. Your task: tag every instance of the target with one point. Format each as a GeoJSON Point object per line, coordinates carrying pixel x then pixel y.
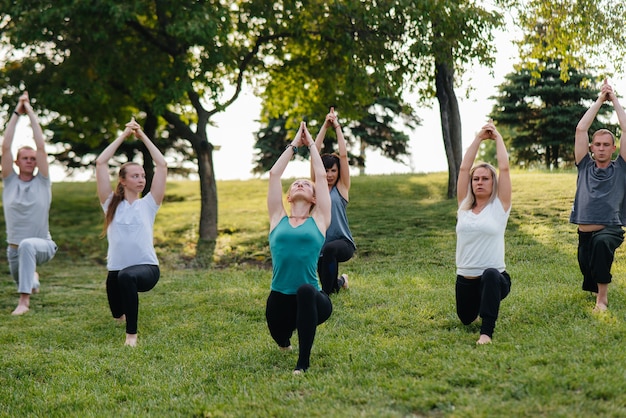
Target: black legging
{"type": "Point", "coordinates": [596, 251]}
{"type": "Point", "coordinates": [303, 311]}
{"type": "Point", "coordinates": [333, 253]}
{"type": "Point", "coordinates": [482, 297]}
{"type": "Point", "coordinates": [122, 287]}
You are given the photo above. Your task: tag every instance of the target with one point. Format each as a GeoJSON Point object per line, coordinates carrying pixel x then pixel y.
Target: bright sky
{"type": "Point", "coordinates": [234, 130]}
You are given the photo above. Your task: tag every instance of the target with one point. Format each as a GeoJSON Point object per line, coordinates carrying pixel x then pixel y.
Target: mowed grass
{"type": "Point", "coordinates": [392, 348]}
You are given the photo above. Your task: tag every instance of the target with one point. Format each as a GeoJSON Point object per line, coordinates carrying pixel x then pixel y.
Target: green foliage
{"type": "Point", "coordinates": [541, 113]}
{"type": "Point", "coordinates": [393, 346]}
{"type": "Point", "coordinates": [375, 131]}
{"type": "Point", "coordinates": [579, 34]}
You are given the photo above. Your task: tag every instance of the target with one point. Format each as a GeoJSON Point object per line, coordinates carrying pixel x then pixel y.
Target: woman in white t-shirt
{"type": "Point", "coordinates": [484, 198]}
{"type": "Point", "coordinates": [132, 263]}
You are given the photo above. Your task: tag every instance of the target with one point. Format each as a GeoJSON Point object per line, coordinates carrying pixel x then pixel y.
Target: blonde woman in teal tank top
{"type": "Point", "coordinates": [296, 301]}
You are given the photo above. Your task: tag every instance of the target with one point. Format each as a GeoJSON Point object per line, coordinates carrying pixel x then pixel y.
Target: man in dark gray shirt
{"type": "Point", "coordinates": [599, 207]}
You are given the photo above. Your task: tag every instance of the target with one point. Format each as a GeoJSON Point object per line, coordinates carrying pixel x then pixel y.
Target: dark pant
{"type": "Point", "coordinates": [482, 297]}
{"type": "Point", "coordinates": [303, 311]}
{"type": "Point", "coordinates": [333, 253]}
{"type": "Point", "coordinates": [122, 287]}
{"type": "Point", "coordinates": [596, 252]}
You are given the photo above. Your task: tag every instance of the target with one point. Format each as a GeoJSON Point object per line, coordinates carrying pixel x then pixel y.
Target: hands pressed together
{"type": "Point", "coordinates": [303, 137]}
{"type": "Point", "coordinates": [23, 104]}
{"type": "Point", "coordinates": [331, 118]}
{"type": "Point", "coordinates": [606, 91]}
{"type": "Point", "coordinates": [488, 131]}
{"type": "Point", "coordinates": [133, 128]}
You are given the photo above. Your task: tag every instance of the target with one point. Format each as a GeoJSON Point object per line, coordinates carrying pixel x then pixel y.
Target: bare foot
{"type": "Point", "coordinates": [121, 319]}
{"type": "Point", "coordinates": [345, 281]}
{"type": "Point", "coordinates": [484, 339]}
{"type": "Point", "coordinates": [298, 372]}
{"type": "Point", "coordinates": [20, 310]}
{"type": "Point", "coordinates": [288, 348]}
{"type": "Point", "coordinates": [131, 340]}
{"type": "Point", "coordinates": [600, 307]}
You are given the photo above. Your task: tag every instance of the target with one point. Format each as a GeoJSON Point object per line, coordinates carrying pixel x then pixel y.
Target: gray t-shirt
{"type": "Point", "coordinates": [600, 193]}
{"type": "Point", "coordinates": [338, 228]}
{"type": "Point", "coordinates": [26, 207]}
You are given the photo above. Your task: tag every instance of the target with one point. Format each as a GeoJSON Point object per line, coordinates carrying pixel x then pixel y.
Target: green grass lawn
{"type": "Point", "coordinates": [392, 348]}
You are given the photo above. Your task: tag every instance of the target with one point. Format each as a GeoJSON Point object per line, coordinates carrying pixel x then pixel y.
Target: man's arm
{"type": "Point", "coordinates": [9, 134]}
{"type": "Point", "coordinates": [40, 142]}
{"type": "Point", "coordinates": [581, 142]}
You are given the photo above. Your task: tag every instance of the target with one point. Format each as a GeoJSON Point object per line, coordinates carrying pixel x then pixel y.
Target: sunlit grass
{"type": "Point", "coordinates": [392, 348]}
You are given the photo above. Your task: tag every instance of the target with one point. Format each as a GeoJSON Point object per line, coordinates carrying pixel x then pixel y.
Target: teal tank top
{"type": "Point", "coordinates": [295, 251]}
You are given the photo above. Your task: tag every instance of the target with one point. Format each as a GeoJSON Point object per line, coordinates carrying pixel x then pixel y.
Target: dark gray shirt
{"type": "Point", "coordinates": [600, 193]}
{"type": "Point", "coordinates": [338, 228]}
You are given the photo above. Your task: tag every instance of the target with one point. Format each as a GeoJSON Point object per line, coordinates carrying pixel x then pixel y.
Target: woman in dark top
{"type": "Point", "coordinates": [339, 245]}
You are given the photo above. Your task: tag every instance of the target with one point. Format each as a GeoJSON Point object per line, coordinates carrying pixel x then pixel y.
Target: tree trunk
{"type": "Point", "coordinates": [450, 122]}
{"type": "Point", "coordinates": [208, 205]}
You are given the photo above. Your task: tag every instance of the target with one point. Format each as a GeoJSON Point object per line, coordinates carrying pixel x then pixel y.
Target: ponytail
{"type": "Point", "coordinates": [118, 196]}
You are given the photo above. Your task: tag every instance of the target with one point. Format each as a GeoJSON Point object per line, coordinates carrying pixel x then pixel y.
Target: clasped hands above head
{"type": "Point", "coordinates": [488, 131]}
{"type": "Point", "coordinates": [23, 104]}
{"type": "Point", "coordinates": [303, 137]}
{"type": "Point", "coordinates": [331, 118]}
{"type": "Point", "coordinates": [133, 127]}
{"type": "Point", "coordinates": [607, 90]}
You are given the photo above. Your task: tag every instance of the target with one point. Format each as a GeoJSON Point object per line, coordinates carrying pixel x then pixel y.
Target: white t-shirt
{"type": "Point", "coordinates": [26, 207]}
{"type": "Point", "coordinates": [130, 235]}
{"type": "Point", "coordinates": [480, 239]}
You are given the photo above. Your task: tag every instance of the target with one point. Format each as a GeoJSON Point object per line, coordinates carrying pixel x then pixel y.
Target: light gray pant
{"type": "Point", "coordinates": [23, 261]}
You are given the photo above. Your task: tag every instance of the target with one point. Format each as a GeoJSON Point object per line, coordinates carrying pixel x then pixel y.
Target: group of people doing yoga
{"type": "Point", "coordinates": [311, 237]}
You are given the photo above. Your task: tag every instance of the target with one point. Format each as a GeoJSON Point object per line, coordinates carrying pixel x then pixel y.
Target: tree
{"type": "Point", "coordinates": [458, 33]}
{"type": "Point", "coordinates": [169, 64]}
{"type": "Point", "coordinates": [574, 32]}
{"type": "Point", "coordinates": [346, 61]}
{"type": "Point", "coordinates": [541, 113]}
{"type": "Point", "coordinates": [392, 47]}
{"type": "Point", "coordinates": [374, 130]}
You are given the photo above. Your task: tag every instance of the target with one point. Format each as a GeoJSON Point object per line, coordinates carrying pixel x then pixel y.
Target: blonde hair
{"type": "Point", "coordinates": [603, 132]}
{"type": "Point", "coordinates": [470, 198]}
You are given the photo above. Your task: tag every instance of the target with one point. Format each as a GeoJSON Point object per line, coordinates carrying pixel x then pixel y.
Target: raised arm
{"type": "Point", "coordinates": [581, 144]}
{"type": "Point", "coordinates": [7, 142]}
{"type": "Point", "coordinates": [319, 139]}
{"type": "Point", "coordinates": [621, 117]}
{"type": "Point", "coordinates": [343, 185]}
{"type": "Point", "coordinates": [328, 122]}
{"type": "Point", "coordinates": [504, 172]}
{"type": "Point", "coordinates": [467, 162]}
{"type": "Point", "coordinates": [275, 205]}
{"type": "Point", "coordinates": [321, 213]}
{"type": "Point", "coordinates": [157, 189]}
{"type": "Point", "coordinates": [40, 143]}
{"type": "Point", "coordinates": [103, 182]}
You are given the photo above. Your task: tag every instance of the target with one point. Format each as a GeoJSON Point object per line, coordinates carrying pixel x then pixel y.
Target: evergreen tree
{"type": "Point", "coordinates": [541, 113]}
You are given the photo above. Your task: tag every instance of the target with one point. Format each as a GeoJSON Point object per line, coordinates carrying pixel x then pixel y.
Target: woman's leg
{"type": "Point", "coordinates": [280, 313]}
{"type": "Point", "coordinates": [467, 299]}
{"type": "Point", "coordinates": [130, 281]}
{"type": "Point", "coordinates": [114, 295]}
{"type": "Point", "coordinates": [314, 308]}
{"type": "Point", "coordinates": [495, 287]}
{"type": "Point", "coordinates": [333, 253]}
